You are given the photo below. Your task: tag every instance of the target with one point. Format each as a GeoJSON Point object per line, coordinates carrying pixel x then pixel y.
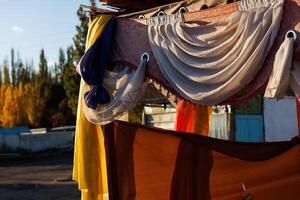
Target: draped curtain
{"type": "Point", "coordinates": [207, 64]}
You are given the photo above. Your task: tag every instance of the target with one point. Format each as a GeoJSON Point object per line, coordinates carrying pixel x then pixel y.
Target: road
{"type": "Point", "coordinates": [39, 177]}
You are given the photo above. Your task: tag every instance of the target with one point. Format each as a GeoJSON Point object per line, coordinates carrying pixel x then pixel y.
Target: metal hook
{"type": "Point", "coordinates": [142, 17]}
{"type": "Point", "coordinates": [291, 34]}
{"type": "Point", "coordinates": [145, 56]}
{"type": "Point", "coordinates": [183, 10]}
{"type": "Point", "coordinates": [161, 13]}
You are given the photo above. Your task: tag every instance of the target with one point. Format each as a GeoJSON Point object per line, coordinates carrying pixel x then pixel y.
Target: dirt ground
{"type": "Point", "coordinates": [39, 177]}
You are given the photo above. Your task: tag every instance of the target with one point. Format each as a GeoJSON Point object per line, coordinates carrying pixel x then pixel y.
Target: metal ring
{"type": "Point", "coordinates": [183, 10]}
{"type": "Point", "coordinates": [145, 56]}
{"type": "Point", "coordinates": [161, 13]}
{"type": "Point", "coordinates": [291, 34]}
{"type": "Point", "coordinates": [142, 17]}
{"type": "Point", "coordinates": [88, 14]}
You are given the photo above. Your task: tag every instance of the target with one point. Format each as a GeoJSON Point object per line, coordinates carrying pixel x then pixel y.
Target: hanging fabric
{"type": "Point", "coordinates": [192, 118]}
{"type": "Point", "coordinates": [149, 163]}
{"type": "Point", "coordinates": [92, 66]}
{"type": "Point", "coordinates": [282, 75]}
{"type": "Point", "coordinates": [89, 169]}
{"type": "Point", "coordinates": [207, 64]}
{"type": "Point", "coordinates": [126, 87]}
{"type": "Point", "coordinates": [130, 40]}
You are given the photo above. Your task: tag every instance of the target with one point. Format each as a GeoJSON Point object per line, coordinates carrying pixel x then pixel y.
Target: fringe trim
{"type": "Point", "coordinates": [173, 99]}
{"type": "Point", "coordinates": [252, 4]}
{"type": "Point", "coordinates": [165, 19]}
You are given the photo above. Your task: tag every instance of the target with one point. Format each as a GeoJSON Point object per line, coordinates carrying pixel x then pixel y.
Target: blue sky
{"type": "Point", "coordinates": [29, 25]}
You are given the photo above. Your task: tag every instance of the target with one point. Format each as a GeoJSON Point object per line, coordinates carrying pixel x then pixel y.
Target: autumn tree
{"type": "Point", "coordinates": [43, 97]}
{"type": "Point", "coordinates": [3, 88]}
{"type": "Point", "coordinates": [11, 109]}
{"type": "Point", "coordinates": [22, 104]}
{"type": "Point", "coordinates": [35, 104]}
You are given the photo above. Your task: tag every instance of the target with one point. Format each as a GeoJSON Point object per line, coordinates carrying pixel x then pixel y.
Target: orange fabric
{"type": "Point", "coordinates": [276, 178]}
{"type": "Point", "coordinates": [192, 118]}
{"type": "Point", "coordinates": [150, 163]}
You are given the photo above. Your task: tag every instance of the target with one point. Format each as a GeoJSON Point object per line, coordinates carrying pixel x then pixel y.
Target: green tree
{"type": "Point", "coordinates": [1, 81]}
{"type": "Point", "coordinates": [13, 67]}
{"type": "Point", "coordinates": [43, 67]}
{"type": "Point", "coordinates": [80, 36]}
{"type": "Point", "coordinates": [74, 53]}
{"type": "Point", "coordinates": [6, 73]}
{"type": "Point", "coordinates": [61, 64]}
{"type": "Point", "coordinates": [24, 74]}
{"type": "Point", "coordinates": [59, 67]}
{"type": "Point", "coordinates": [71, 81]}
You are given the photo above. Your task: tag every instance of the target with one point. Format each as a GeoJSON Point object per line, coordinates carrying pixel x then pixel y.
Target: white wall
{"type": "Point", "coordinates": [160, 117]}
{"type": "Point", "coordinates": [280, 119]}
{"type": "Point", "coordinates": [39, 141]}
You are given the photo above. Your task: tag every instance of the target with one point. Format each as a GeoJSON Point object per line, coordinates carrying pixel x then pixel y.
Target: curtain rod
{"type": "Point", "coordinates": [110, 10]}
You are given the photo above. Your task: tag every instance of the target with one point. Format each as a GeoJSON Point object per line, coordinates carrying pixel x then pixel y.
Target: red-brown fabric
{"type": "Point", "coordinates": [192, 118]}
{"type": "Point", "coordinates": [131, 40]}
{"type": "Point", "coordinates": [148, 163]}
{"type": "Point", "coordinates": [212, 14]}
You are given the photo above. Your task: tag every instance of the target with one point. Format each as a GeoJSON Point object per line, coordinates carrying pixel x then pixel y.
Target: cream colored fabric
{"type": "Point", "coordinates": [207, 64]}
{"type": "Point", "coordinates": [126, 87]}
{"type": "Point", "coordinates": [280, 77]}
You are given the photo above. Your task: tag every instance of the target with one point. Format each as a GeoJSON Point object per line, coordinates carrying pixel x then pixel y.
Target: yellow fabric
{"type": "Point", "coordinates": [89, 168]}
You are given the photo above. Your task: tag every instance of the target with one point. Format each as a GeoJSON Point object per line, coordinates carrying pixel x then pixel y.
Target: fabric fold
{"type": "Point", "coordinates": [126, 87]}
{"type": "Point", "coordinates": [285, 72]}
{"type": "Point", "coordinates": [208, 64]}
{"type": "Point", "coordinates": [93, 63]}
{"type": "Point", "coordinates": [150, 163]}
{"type": "Point", "coordinates": [280, 77]}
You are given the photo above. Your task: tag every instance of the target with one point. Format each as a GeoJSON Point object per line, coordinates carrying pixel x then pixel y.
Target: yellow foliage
{"type": "Point", "coordinates": [2, 100]}
{"type": "Point", "coordinates": [35, 104]}
{"type": "Point", "coordinates": [21, 105]}
{"type": "Point", "coordinates": [10, 111]}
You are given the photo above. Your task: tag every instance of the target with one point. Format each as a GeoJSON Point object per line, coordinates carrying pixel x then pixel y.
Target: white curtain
{"type": "Point", "coordinates": [126, 87]}
{"type": "Point", "coordinates": [207, 64]}
{"type": "Point", "coordinates": [280, 78]}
